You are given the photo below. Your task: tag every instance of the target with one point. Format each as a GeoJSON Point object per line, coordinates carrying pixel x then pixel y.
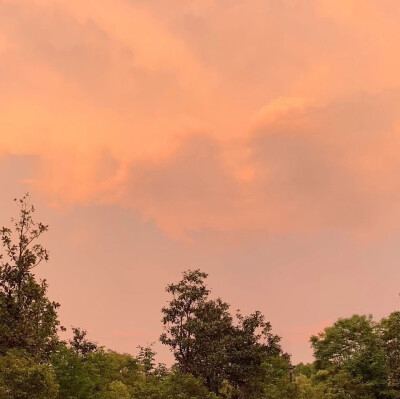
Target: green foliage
{"type": "Point", "coordinates": [340, 384]}
{"type": "Point", "coordinates": [89, 376]}
{"type": "Point", "coordinates": [185, 387]}
{"type": "Point", "coordinates": [275, 381]}
{"type": "Point", "coordinates": [305, 369]}
{"type": "Point", "coordinates": [175, 386]}
{"type": "Point", "coordinates": [352, 354]}
{"type": "Point", "coordinates": [104, 374]}
{"type": "Point", "coordinates": [22, 377]}
{"type": "Point", "coordinates": [305, 388]}
{"type": "Point", "coordinates": [77, 378]}
{"type": "Point", "coordinates": [28, 320]}
{"type": "Point", "coordinates": [117, 390]}
{"type": "Point", "coordinates": [345, 342]}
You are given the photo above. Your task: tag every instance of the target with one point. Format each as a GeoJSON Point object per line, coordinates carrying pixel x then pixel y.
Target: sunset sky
{"type": "Point", "coordinates": [257, 140]}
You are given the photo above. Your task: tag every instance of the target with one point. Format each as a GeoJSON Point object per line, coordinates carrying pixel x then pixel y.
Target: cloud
{"type": "Point", "coordinates": [314, 168]}
{"type": "Point", "coordinates": [190, 191]}
{"type": "Point", "coordinates": [209, 115]}
{"type": "Point", "coordinates": [318, 166]}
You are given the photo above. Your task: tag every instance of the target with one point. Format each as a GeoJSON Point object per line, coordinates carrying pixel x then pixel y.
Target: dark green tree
{"type": "Point", "coordinates": [188, 295]}
{"type": "Point", "coordinates": [214, 332]}
{"type": "Point", "coordinates": [251, 350]}
{"type": "Point", "coordinates": [80, 344]}
{"type": "Point", "coordinates": [28, 319]}
{"type": "Point", "coordinates": [207, 343]}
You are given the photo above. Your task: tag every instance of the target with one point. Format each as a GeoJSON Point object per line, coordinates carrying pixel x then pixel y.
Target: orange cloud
{"type": "Point", "coordinates": [325, 167]}
{"type": "Point", "coordinates": [226, 116]}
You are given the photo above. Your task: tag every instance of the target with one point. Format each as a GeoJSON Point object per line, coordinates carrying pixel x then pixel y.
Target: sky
{"type": "Point", "coordinates": [257, 140]}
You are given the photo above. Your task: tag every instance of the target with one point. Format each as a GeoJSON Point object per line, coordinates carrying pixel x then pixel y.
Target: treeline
{"type": "Point", "coordinates": [217, 354]}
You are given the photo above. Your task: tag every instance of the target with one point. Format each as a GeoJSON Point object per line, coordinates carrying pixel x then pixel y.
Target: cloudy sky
{"type": "Point", "coordinates": [257, 140]}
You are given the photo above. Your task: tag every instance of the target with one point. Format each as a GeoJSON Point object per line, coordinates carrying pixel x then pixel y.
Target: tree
{"type": "Point", "coordinates": [212, 329]}
{"type": "Point", "coordinates": [80, 344]}
{"type": "Point", "coordinates": [352, 354]}
{"type": "Point", "coordinates": [208, 344]}
{"type": "Point", "coordinates": [28, 319]}
{"type": "Point", "coordinates": [188, 294]}
{"type": "Point", "coordinates": [251, 350]}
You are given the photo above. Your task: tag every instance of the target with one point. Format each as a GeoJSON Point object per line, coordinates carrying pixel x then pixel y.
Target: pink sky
{"type": "Point", "coordinates": [257, 140]}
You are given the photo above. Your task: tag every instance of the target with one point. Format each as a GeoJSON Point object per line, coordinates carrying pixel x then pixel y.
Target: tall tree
{"type": "Point", "coordinates": [188, 294]}
{"type": "Point", "coordinates": [207, 343]}
{"type": "Point", "coordinates": [28, 319]}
